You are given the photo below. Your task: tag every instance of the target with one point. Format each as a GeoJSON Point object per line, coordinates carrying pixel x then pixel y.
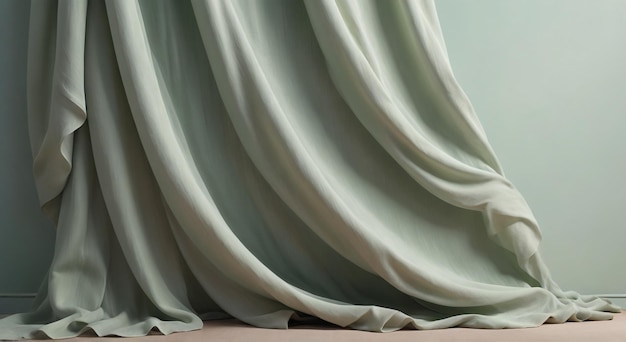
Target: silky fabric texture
{"type": "Point", "coordinates": [269, 161]}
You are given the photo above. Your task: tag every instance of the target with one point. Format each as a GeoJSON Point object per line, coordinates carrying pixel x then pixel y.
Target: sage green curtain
{"type": "Point", "coordinates": [269, 161]}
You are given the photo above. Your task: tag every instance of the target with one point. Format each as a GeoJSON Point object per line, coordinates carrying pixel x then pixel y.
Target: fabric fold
{"type": "Point", "coordinates": [375, 102]}
{"type": "Point", "coordinates": [56, 92]}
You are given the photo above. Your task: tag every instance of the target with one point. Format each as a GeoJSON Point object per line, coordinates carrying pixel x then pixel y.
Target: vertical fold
{"type": "Point", "coordinates": [132, 196]}
{"type": "Point", "coordinates": [56, 97]}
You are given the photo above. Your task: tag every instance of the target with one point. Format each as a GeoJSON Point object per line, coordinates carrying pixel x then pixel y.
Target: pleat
{"type": "Point", "coordinates": [298, 175]}
{"type": "Point", "coordinates": [190, 203]}
{"type": "Point", "coordinates": [133, 198]}
{"type": "Point", "coordinates": [260, 219]}
{"type": "Point", "coordinates": [388, 118]}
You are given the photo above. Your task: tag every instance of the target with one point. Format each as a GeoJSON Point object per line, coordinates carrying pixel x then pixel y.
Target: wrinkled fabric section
{"type": "Point", "coordinates": [270, 161]}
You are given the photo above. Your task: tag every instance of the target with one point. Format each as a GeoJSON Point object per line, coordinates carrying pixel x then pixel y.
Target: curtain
{"type": "Point", "coordinates": [270, 161]}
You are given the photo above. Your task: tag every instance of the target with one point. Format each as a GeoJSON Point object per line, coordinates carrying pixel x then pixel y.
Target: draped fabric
{"type": "Point", "coordinates": [270, 161]}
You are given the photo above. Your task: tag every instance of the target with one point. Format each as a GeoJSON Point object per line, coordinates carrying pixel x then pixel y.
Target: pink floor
{"type": "Point", "coordinates": [231, 330]}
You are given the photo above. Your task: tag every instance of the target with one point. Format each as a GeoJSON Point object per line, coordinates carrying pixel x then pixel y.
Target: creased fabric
{"type": "Point", "coordinates": [270, 160]}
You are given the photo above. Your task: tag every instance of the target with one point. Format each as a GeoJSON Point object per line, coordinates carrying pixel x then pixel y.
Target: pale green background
{"type": "Point", "coordinates": [546, 78]}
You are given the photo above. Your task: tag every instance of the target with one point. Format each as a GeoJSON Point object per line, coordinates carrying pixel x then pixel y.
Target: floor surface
{"type": "Point", "coordinates": [231, 330]}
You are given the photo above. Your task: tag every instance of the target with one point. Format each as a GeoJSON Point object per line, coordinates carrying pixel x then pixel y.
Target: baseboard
{"type": "Point", "coordinates": [14, 303]}
{"type": "Point", "coordinates": [21, 302]}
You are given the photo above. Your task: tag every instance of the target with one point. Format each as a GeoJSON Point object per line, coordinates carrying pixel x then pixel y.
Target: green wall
{"type": "Point", "coordinates": [26, 237]}
{"type": "Point", "coordinates": [547, 80]}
